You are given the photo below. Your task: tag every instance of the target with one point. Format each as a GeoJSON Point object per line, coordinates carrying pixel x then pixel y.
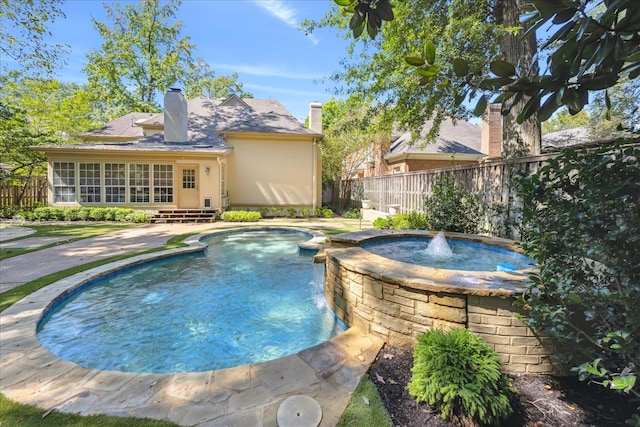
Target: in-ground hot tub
{"type": "Point", "coordinates": [397, 300]}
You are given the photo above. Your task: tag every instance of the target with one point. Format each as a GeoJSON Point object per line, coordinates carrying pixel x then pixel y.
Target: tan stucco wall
{"type": "Point", "coordinates": [275, 172]}
{"type": "Point", "coordinates": [208, 184]}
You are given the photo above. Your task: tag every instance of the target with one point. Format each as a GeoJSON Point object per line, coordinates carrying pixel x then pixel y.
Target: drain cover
{"type": "Point", "coordinates": [297, 411]}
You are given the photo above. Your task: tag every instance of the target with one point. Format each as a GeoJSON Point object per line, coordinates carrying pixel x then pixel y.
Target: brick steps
{"type": "Point", "coordinates": [185, 215]}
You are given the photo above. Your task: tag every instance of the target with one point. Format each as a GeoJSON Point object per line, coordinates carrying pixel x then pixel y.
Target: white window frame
{"type": "Point", "coordinates": [64, 182]}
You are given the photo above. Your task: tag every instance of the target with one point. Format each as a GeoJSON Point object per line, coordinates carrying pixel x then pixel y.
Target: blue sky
{"type": "Point", "coordinates": [259, 40]}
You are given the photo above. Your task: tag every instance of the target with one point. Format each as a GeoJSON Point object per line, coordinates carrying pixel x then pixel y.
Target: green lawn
{"type": "Point", "coordinates": [72, 231]}
{"type": "Point", "coordinates": [14, 414]}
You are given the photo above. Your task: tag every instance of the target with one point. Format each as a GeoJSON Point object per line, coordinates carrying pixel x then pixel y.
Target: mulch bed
{"type": "Point", "coordinates": [542, 400]}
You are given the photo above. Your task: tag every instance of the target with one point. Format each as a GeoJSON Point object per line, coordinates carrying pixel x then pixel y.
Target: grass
{"type": "Point", "coordinates": [72, 231]}
{"type": "Point", "coordinates": [15, 414]}
{"type": "Point", "coordinates": [365, 413]}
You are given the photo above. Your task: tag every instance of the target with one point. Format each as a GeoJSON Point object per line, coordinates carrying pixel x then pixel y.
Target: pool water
{"type": "Point", "coordinates": [252, 296]}
{"type": "Point", "coordinates": [464, 255]}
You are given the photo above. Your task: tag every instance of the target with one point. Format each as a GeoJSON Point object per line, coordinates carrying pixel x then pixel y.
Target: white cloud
{"type": "Point", "coordinates": [285, 13]}
{"type": "Point", "coordinates": [267, 71]}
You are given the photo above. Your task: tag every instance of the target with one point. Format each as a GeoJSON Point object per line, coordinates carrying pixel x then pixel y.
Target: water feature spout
{"type": "Point", "coordinates": [438, 247]}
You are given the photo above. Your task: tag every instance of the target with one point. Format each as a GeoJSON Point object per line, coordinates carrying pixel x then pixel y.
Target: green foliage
{"type": "Point", "coordinates": [581, 59]}
{"type": "Point", "coordinates": [378, 70]}
{"type": "Point", "coordinates": [45, 213]}
{"type": "Point", "coordinates": [323, 212]}
{"type": "Point", "coordinates": [462, 375]}
{"type": "Point", "coordinates": [365, 413]}
{"type": "Point", "coordinates": [23, 39]}
{"type": "Point", "coordinates": [143, 54]}
{"type": "Point", "coordinates": [451, 208]}
{"type": "Point", "coordinates": [292, 212]}
{"type": "Point", "coordinates": [353, 213]}
{"type": "Point", "coordinates": [409, 221]}
{"type": "Point", "coordinates": [382, 223]}
{"type": "Point", "coordinates": [15, 414]}
{"type": "Point", "coordinates": [304, 213]}
{"type": "Point", "coordinates": [582, 222]}
{"type": "Point", "coordinates": [240, 216]}
{"type": "Point", "coordinates": [264, 212]}
{"type": "Point", "coordinates": [326, 213]}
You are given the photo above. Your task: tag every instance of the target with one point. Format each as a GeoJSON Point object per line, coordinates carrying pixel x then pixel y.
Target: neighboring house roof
{"type": "Point", "coordinates": [461, 140]}
{"type": "Point", "coordinates": [564, 138]}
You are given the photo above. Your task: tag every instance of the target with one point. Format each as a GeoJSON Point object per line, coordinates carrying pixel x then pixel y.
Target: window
{"type": "Point", "coordinates": [115, 183]}
{"type": "Point", "coordinates": [163, 183]}
{"type": "Point", "coordinates": [89, 178]}
{"type": "Point", "coordinates": [139, 183]}
{"type": "Point", "coordinates": [188, 178]}
{"type": "Point", "coordinates": [64, 182]}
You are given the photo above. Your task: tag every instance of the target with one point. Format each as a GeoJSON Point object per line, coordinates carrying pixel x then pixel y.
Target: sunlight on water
{"type": "Point", "coordinates": [252, 296]}
{"type": "Point", "coordinates": [464, 255]}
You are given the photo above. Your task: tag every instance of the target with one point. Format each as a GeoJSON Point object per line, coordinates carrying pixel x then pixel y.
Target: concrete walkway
{"type": "Point", "coordinates": [248, 395]}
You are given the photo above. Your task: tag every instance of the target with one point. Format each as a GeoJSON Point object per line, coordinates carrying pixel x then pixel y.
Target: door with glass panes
{"type": "Point", "coordinates": [189, 197]}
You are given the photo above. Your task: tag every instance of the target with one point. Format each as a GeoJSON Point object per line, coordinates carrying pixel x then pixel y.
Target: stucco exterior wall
{"type": "Point", "coordinates": [274, 172]}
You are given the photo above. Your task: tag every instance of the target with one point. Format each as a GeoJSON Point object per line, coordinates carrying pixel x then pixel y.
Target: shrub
{"type": "Point", "coordinates": [275, 211]}
{"type": "Point", "coordinates": [83, 214]}
{"type": "Point", "coordinates": [138, 217]}
{"type": "Point", "coordinates": [459, 373]}
{"type": "Point", "coordinates": [353, 213]}
{"type": "Point", "coordinates": [304, 213]}
{"type": "Point", "coordinates": [264, 212]}
{"type": "Point", "coordinates": [409, 221]}
{"type": "Point", "coordinates": [382, 223]}
{"type": "Point", "coordinates": [240, 216]}
{"type": "Point", "coordinates": [582, 225]}
{"type": "Point", "coordinates": [451, 208]}
{"type": "Point", "coordinates": [327, 213]}
{"type": "Point", "coordinates": [292, 212]}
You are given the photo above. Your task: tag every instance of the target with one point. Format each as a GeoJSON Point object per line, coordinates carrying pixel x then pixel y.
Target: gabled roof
{"type": "Point", "coordinates": [462, 139]}
{"type": "Point", "coordinates": [238, 115]}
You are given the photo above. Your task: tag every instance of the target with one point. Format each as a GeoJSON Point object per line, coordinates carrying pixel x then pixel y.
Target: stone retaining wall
{"type": "Point", "coordinates": [386, 298]}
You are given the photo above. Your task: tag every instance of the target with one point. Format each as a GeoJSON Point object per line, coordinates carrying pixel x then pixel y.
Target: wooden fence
{"type": "Point", "coordinates": [491, 180]}
{"type": "Point", "coordinates": [27, 191]}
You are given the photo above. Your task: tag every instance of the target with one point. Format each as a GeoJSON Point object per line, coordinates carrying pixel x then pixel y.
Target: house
{"type": "Point", "coordinates": [202, 154]}
{"type": "Point", "coordinates": [457, 144]}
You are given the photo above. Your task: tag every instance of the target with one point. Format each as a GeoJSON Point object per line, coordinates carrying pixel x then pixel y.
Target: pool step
{"type": "Point", "coordinates": [184, 215]}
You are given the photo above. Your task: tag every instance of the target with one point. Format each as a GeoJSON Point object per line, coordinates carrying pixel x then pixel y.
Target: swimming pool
{"type": "Point", "coordinates": [251, 296]}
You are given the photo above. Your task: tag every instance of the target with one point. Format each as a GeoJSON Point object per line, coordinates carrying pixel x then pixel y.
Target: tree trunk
{"type": "Point", "coordinates": [525, 139]}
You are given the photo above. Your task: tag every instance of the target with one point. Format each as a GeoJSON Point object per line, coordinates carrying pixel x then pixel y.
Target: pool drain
{"type": "Point", "coordinates": [299, 411]}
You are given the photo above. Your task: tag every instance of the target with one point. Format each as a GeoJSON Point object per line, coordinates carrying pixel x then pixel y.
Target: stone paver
{"type": "Point", "coordinates": [242, 396]}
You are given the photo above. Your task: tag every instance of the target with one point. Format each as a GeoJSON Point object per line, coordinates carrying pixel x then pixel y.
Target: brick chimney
{"type": "Point", "coordinates": [491, 136]}
{"type": "Point", "coordinates": [315, 116]}
{"type": "Point", "coordinates": [175, 116]}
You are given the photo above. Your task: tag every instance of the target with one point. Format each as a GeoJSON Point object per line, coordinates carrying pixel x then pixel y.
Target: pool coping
{"type": "Point", "coordinates": [241, 396]}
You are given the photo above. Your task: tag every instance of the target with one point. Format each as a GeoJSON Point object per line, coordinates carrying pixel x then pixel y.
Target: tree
{"type": "Point", "coordinates": [143, 54]}
{"type": "Point", "coordinates": [24, 33]}
{"type": "Point", "coordinates": [417, 31]}
{"type": "Point", "coordinates": [38, 111]}
{"type": "Point", "coordinates": [349, 136]}
{"type": "Point", "coordinates": [202, 81]}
